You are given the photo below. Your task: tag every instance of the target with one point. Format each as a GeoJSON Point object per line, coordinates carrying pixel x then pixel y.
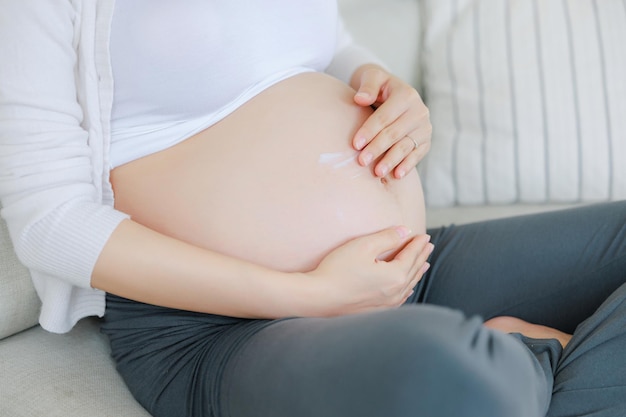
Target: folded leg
{"type": "Point", "coordinates": [408, 362]}
{"type": "Point", "coordinates": [552, 268]}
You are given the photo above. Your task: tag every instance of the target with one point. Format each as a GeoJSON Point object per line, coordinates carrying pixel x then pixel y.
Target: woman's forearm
{"type": "Point", "coordinates": [149, 267]}
{"type": "Point", "coordinates": [146, 266]}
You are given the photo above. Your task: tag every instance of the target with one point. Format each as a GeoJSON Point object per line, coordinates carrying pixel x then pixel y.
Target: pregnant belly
{"type": "Point", "coordinates": [275, 183]}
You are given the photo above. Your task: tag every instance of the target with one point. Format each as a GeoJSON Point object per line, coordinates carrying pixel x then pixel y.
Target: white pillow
{"type": "Point", "coordinates": [527, 100]}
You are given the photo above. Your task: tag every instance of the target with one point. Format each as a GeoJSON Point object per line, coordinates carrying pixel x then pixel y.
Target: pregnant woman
{"type": "Point", "coordinates": [231, 184]}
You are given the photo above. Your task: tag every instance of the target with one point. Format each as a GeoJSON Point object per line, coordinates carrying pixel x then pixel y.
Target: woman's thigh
{"type": "Point", "coordinates": [552, 268]}
{"type": "Point", "coordinates": [412, 361]}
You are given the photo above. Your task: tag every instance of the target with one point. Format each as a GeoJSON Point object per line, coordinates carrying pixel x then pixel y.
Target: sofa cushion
{"type": "Point", "coordinates": [70, 375]}
{"type": "Point", "coordinates": [19, 304]}
{"type": "Point", "coordinates": [444, 216]}
{"type": "Point", "coordinates": [528, 101]}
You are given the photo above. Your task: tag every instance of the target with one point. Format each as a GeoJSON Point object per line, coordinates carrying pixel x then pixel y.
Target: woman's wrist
{"type": "Point", "coordinates": [315, 296]}
{"type": "Point", "coordinates": [302, 295]}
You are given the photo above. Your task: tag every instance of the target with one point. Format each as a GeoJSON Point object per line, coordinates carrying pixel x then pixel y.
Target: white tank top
{"type": "Point", "coordinates": [180, 67]}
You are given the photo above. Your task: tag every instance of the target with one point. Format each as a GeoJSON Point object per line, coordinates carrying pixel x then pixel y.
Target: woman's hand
{"type": "Point", "coordinates": [397, 135]}
{"type": "Point", "coordinates": [373, 271]}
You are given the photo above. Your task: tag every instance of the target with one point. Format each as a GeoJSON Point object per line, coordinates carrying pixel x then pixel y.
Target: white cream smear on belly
{"type": "Point", "coordinates": [346, 161]}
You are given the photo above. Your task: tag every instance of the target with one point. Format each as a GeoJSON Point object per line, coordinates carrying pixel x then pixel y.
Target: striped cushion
{"type": "Point", "coordinates": [528, 101]}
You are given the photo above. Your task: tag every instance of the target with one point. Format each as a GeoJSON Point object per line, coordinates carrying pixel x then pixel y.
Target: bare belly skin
{"type": "Point", "coordinates": [275, 183]}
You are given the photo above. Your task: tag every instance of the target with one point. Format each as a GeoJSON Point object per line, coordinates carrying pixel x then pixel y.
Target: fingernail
{"type": "Point", "coordinates": [383, 169]}
{"type": "Point", "coordinates": [425, 268]}
{"type": "Point", "coordinates": [360, 143]}
{"type": "Point", "coordinates": [403, 231]}
{"type": "Point", "coordinates": [367, 158]}
{"type": "Point", "coordinates": [362, 94]}
{"type": "Point", "coordinates": [401, 173]}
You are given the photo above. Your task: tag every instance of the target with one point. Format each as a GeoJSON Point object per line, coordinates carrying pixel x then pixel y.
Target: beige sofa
{"type": "Point", "coordinates": [70, 375]}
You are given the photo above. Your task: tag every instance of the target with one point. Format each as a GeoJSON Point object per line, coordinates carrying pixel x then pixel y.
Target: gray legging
{"type": "Point", "coordinates": [431, 357]}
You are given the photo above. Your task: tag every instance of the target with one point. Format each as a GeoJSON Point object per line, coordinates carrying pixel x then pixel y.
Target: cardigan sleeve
{"type": "Point", "coordinates": [349, 55]}
{"type": "Point", "coordinates": [48, 185]}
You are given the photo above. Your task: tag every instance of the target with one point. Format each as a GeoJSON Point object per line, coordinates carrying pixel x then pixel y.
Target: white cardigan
{"type": "Point", "coordinates": [56, 94]}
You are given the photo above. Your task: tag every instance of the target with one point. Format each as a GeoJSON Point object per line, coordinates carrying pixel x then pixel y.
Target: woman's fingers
{"type": "Point", "coordinates": [412, 253]}
{"type": "Point", "coordinates": [416, 254]}
{"type": "Point", "coordinates": [383, 141]}
{"type": "Point", "coordinates": [397, 135]}
{"type": "Point", "coordinates": [386, 115]}
{"type": "Point", "coordinates": [372, 82]}
{"type": "Point", "coordinates": [387, 240]}
{"type": "Point", "coordinates": [374, 271]}
{"type": "Point", "coordinates": [402, 157]}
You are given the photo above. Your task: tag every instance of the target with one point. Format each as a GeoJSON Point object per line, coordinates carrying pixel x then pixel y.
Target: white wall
{"type": "Point", "coordinates": [390, 28]}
